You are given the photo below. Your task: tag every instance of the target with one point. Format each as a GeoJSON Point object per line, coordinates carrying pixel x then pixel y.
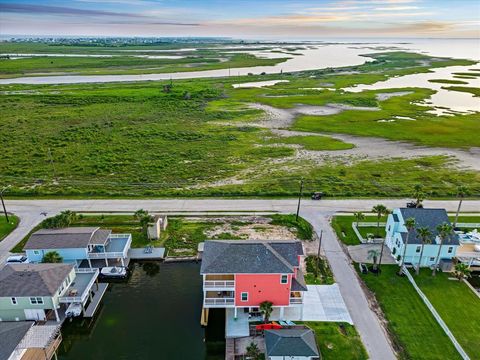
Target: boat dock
{"type": "Point", "coordinates": [92, 307]}
{"type": "Point", "coordinates": [142, 254]}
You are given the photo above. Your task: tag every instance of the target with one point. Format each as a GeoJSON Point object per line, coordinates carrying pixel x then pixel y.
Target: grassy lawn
{"type": "Point", "coordinates": [7, 228]}
{"type": "Point", "coordinates": [343, 225]}
{"type": "Point", "coordinates": [302, 228]}
{"type": "Point", "coordinates": [411, 325]}
{"type": "Point", "coordinates": [457, 305]}
{"type": "Point", "coordinates": [338, 341]}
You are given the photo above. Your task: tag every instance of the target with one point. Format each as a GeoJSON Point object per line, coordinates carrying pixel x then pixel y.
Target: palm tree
{"type": "Point", "coordinates": [419, 195]}
{"type": "Point", "coordinates": [380, 210]}
{"type": "Point", "coordinates": [358, 216]}
{"type": "Point", "coordinates": [373, 254]}
{"type": "Point", "coordinates": [52, 257]}
{"type": "Point", "coordinates": [461, 192]}
{"type": "Point", "coordinates": [253, 352]}
{"type": "Point", "coordinates": [462, 271]}
{"type": "Point", "coordinates": [424, 234]}
{"type": "Point", "coordinates": [144, 218]}
{"type": "Point", "coordinates": [266, 309]}
{"type": "Point", "coordinates": [444, 231]}
{"type": "Point", "coordinates": [410, 225]}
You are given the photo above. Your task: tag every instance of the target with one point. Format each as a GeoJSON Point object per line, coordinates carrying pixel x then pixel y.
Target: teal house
{"type": "Point", "coordinates": [396, 235]}
{"type": "Point", "coordinates": [82, 246]}
{"type": "Point", "coordinates": [42, 292]}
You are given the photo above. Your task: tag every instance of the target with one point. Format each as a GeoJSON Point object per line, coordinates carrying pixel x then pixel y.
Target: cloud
{"type": "Point", "coordinates": [59, 10]}
{"type": "Point", "coordinates": [396, 8]}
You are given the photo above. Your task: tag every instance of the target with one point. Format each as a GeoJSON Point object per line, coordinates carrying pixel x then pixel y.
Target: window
{"type": "Point", "coordinates": [418, 249]}
{"type": "Point", "coordinates": [36, 300]}
{"type": "Point", "coordinates": [450, 249]}
{"type": "Point", "coordinates": [244, 296]}
{"type": "Point", "coordinates": [36, 252]}
{"type": "Point", "coordinates": [284, 279]}
{"type": "Point", "coordinates": [432, 259]}
{"type": "Point", "coordinates": [13, 300]}
{"type": "Point", "coordinates": [389, 227]}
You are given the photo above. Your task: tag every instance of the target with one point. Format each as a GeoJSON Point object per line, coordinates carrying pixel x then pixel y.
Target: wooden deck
{"type": "Point", "coordinates": [92, 307]}
{"type": "Point", "coordinates": [140, 254]}
{"type": "Point", "coordinates": [230, 349]}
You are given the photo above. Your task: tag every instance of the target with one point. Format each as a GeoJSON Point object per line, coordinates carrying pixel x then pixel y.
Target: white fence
{"type": "Point", "coordinates": [356, 225]}
{"type": "Point", "coordinates": [219, 301]}
{"type": "Point", "coordinates": [435, 314]}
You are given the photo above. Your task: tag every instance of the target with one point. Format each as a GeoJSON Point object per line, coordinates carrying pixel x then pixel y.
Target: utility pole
{"type": "Point", "coordinates": [299, 199]}
{"type": "Point", "coordinates": [3, 204]}
{"type": "Point", "coordinates": [318, 253]}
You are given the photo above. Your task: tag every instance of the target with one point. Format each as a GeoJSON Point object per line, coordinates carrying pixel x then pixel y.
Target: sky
{"type": "Point", "coordinates": [260, 19]}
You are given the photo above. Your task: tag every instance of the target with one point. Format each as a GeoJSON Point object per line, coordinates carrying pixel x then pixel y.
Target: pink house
{"type": "Point", "coordinates": [243, 274]}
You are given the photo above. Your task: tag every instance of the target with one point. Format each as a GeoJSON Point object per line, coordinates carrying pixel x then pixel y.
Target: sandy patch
{"type": "Point", "coordinates": [386, 96]}
{"type": "Point", "coordinates": [258, 84]}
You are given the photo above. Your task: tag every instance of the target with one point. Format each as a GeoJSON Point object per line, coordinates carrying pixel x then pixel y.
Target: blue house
{"type": "Point", "coordinates": [82, 246]}
{"type": "Point", "coordinates": [396, 234]}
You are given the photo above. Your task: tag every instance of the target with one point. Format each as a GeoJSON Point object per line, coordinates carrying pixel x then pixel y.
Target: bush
{"type": "Point", "coordinates": [303, 228]}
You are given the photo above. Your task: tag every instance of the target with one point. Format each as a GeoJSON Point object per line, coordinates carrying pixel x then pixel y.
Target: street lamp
{"type": "Point", "coordinates": [3, 202]}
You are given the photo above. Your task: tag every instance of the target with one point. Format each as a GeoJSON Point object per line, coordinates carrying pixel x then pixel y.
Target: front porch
{"type": "Point", "coordinates": [41, 342]}
{"type": "Point", "coordinates": [116, 247]}
{"type": "Point", "coordinates": [219, 299]}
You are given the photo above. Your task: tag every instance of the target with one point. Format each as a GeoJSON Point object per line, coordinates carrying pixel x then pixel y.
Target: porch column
{"type": "Point", "coordinates": [470, 263]}
{"type": "Point", "coordinates": [56, 314]}
{"type": "Point", "coordinates": [282, 313]}
{"type": "Point", "coordinates": [235, 312]}
{"type": "Point", "coordinates": [123, 263]}
{"type": "Point", "coordinates": [301, 312]}
{"type": "Point", "coordinates": [106, 261]}
{"type": "Point", "coordinates": [96, 282]}
{"type": "Point", "coordinates": [90, 295]}
{"type": "Point", "coordinates": [83, 309]}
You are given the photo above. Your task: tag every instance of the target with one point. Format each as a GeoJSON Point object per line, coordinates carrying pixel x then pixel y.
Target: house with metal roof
{"type": "Point", "coordinates": [80, 245]}
{"type": "Point", "coordinates": [396, 237]}
{"type": "Point", "coordinates": [42, 292]}
{"type": "Point", "coordinates": [240, 275]}
{"type": "Point", "coordinates": [298, 344]}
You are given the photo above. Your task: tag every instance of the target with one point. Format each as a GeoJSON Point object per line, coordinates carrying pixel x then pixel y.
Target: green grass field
{"type": "Point", "coordinates": [414, 330]}
{"type": "Point", "coordinates": [457, 305]}
{"type": "Point", "coordinates": [343, 225]}
{"type": "Point", "coordinates": [7, 228]}
{"type": "Point", "coordinates": [137, 140]}
{"type": "Point", "coordinates": [338, 341]}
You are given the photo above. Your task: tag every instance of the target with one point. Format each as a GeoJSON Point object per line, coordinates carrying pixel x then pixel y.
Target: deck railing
{"type": "Point", "coordinates": [209, 284]}
{"type": "Point", "coordinates": [219, 301]}
{"type": "Point", "coordinates": [296, 300]}
{"type": "Point", "coordinates": [107, 255]}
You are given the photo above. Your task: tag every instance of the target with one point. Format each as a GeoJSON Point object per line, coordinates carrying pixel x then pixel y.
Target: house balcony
{"type": "Point", "coordinates": [296, 298]}
{"type": "Point", "coordinates": [116, 247]}
{"type": "Point", "coordinates": [219, 282]}
{"type": "Point", "coordinates": [219, 299]}
{"type": "Point", "coordinates": [80, 287]}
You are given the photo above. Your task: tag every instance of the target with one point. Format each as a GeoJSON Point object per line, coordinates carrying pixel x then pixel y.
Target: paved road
{"type": "Point", "coordinates": [317, 212]}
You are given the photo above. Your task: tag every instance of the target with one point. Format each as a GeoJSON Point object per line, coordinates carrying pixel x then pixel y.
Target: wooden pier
{"type": "Point", "coordinates": [92, 307]}
{"type": "Point", "coordinates": [140, 254]}
{"type": "Point", "coordinates": [204, 317]}
{"type": "Point", "coordinates": [230, 349]}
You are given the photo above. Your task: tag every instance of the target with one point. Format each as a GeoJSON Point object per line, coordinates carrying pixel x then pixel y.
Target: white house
{"type": "Point", "coordinates": [396, 235]}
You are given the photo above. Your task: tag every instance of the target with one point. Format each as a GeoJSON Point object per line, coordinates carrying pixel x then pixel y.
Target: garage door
{"type": "Point", "coordinates": [35, 314]}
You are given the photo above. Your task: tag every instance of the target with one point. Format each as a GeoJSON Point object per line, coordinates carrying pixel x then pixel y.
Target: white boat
{"type": "Point", "coordinates": [74, 310]}
{"type": "Point", "coordinates": [114, 272]}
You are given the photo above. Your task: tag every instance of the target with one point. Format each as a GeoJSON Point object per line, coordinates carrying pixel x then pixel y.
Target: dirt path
{"type": "Point", "coordinates": [277, 120]}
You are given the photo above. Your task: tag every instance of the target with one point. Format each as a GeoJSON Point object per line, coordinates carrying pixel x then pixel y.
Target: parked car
{"type": "Point", "coordinates": [413, 204]}
{"type": "Point", "coordinates": [363, 268]}
{"type": "Point", "coordinates": [17, 259]}
{"type": "Point", "coordinates": [317, 196]}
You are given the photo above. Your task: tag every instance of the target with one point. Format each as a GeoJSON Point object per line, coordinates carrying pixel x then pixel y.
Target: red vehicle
{"type": "Point", "coordinates": [271, 326]}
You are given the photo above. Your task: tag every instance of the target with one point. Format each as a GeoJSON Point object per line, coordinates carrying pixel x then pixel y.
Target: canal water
{"type": "Point", "coordinates": [155, 315]}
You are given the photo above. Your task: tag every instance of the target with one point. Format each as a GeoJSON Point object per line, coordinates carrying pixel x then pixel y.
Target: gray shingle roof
{"type": "Point", "coordinates": [430, 218]}
{"type": "Point", "coordinates": [72, 237]}
{"type": "Point", "coordinates": [298, 283]}
{"type": "Point", "coordinates": [250, 257]}
{"type": "Point", "coordinates": [11, 334]}
{"type": "Point", "coordinates": [290, 342]}
{"type": "Point", "coordinates": [32, 279]}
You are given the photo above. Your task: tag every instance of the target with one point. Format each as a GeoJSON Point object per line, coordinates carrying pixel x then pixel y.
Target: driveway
{"type": "Point", "coordinates": [359, 253]}
{"type": "Point", "coordinates": [325, 303]}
